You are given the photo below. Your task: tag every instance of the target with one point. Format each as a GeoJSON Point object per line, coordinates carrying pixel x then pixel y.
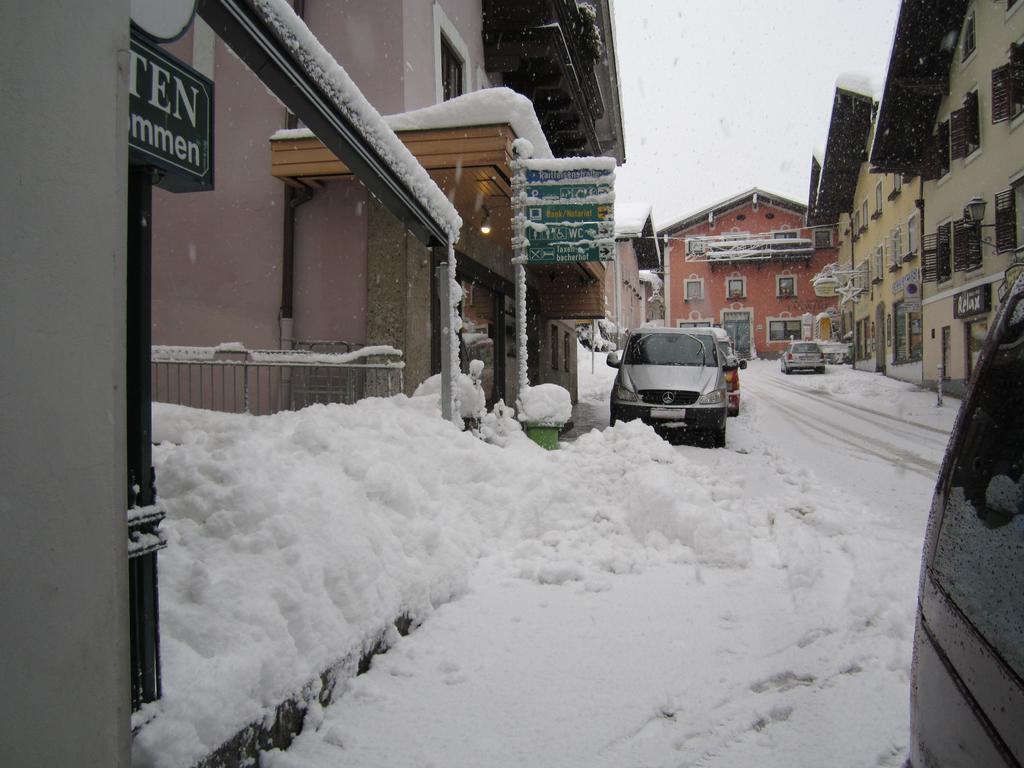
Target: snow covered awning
{"type": "Point", "coordinates": [276, 45]}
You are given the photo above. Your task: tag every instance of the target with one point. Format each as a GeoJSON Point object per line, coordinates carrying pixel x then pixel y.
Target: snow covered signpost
{"type": "Point", "coordinates": [563, 214]}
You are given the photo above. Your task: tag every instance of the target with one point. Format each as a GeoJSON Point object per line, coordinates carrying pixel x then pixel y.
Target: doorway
{"type": "Point", "coordinates": [737, 325]}
{"type": "Point", "coordinates": [881, 337]}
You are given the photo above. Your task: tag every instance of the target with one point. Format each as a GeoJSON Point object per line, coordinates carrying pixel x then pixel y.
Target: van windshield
{"type": "Point", "coordinates": [666, 349]}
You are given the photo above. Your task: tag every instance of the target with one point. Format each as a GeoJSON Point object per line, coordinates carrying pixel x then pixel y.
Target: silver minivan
{"type": "Point", "coordinates": [672, 379]}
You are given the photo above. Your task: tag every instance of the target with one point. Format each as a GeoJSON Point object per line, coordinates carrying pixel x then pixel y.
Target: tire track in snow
{"type": "Point", "coordinates": [856, 444]}
{"type": "Point", "coordinates": [825, 398]}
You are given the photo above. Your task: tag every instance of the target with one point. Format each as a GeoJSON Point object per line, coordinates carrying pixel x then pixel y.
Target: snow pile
{"type": "Point", "coordinates": [545, 404]}
{"type": "Point", "coordinates": [293, 538]}
{"type": "Point", "coordinates": [334, 81]}
{"type": "Point", "coordinates": [471, 397]}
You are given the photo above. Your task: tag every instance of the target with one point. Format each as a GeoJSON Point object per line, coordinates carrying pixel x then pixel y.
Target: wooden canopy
{"type": "Point", "coordinates": [473, 166]}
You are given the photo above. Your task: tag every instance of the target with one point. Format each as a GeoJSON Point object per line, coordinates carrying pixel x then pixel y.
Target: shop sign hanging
{"type": "Point", "coordinates": [170, 109]}
{"type": "Point", "coordinates": [974, 301]}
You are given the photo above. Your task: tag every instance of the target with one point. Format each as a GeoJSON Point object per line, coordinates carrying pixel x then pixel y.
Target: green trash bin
{"type": "Point", "coordinates": [544, 435]}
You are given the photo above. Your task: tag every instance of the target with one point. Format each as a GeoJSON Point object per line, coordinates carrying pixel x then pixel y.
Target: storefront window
{"type": "Point", "coordinates": [478, 332]}
{"type": "Point", "coordinates": [975, 335]}
{"type": "Point", "coordinates": [907, 338]}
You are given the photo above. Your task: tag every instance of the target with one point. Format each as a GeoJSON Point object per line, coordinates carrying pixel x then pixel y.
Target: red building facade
{"type": "Point", "coordinates": [746, 264]}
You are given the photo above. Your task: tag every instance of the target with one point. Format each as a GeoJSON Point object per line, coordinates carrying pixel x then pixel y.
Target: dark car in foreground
{"type": "Point", "coordinates": [967, 684]}
{"type": "Point", "coordinates": [672, 379]}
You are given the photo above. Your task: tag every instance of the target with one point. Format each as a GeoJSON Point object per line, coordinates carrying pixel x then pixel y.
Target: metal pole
{"type": "Point", "coordinates": [519, 241]}
{"type": "Point", "coordinates": [593, 341]}
{"type": "Point", "coordinates": [942, 374]}
{"type": "Point", "coordinates": [444, 299]}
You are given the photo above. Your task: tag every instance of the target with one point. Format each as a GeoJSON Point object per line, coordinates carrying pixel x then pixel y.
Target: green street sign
{"type": "Point", "coordinates": [566, 253]}
{"type": "Point", "coordinates": [574, 212]}
{"type": "Point", "coordinates": [170, 108]}
{"type": "Point", "coordinates": [569, 233]}
{"type": "Point", "coordinates": [543, 192]}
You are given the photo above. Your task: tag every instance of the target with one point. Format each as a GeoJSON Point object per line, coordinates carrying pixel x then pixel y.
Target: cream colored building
{"type": "Point", "coordinates": [885, 231]}
{"type": "Point", "coordinates": [955, 114]}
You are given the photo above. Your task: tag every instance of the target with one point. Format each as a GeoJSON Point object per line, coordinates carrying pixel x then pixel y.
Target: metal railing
{"type": "Point", "coordinates": [265, 382]}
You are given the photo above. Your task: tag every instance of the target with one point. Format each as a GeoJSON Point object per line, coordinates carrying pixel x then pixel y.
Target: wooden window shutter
{"type": "Point", "coordinates": [1016, 78]}
{"type": "Point", "coordinates": [973, 121]}
{"type": "Point", "coordinates": [973, 248]}
{"type": "Point", "coordinates": [930, 166]}
{"type": "Point", "coordinates": [942, 147]}
{"type": "Point", "coordinates": [958, 133]}
{"type": "Point", "coordinates": [966, 246]}
{"type": "Point", "coordinates": [929, 258]}
{"type": "Point", "coordinates": [1001, 94]}
{"type": "Point", "coordinates": [959, 246]}
{"type": "Point", "coordinates": [1006, 221]}
{"type": "Point", "coordinates": [942, 254]}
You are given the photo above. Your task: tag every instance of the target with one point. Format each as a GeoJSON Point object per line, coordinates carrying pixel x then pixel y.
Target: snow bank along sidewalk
{"type": "Point", "coordinates": [296, 538]}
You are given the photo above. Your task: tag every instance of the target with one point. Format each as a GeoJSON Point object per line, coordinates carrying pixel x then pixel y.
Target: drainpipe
{"type": "Point", "coordinates": [853, 309]}
{"type": "Point", "coordinates": [293, 198]}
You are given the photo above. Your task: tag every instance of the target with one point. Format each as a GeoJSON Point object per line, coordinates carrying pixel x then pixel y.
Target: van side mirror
{"type": "Point", "coordinates": [743, 364]}
{"type": "Point", "coordinates": [613, 359]}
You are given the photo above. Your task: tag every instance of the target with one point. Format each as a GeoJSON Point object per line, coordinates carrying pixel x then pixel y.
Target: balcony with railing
{"type": "Point", "coordinates": [760, 247]}
{"type": "Point", "coordinates": [233, 379]}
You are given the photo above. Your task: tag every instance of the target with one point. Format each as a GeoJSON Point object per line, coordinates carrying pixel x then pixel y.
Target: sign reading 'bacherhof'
{"type": "Point", "coordinates": [566, 209]}
{"type": "Point", "coordinates": [170, 109]}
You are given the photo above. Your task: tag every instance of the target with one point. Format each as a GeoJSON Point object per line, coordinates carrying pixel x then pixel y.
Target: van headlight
{"type": "Point", "coordinates": [624, 394]}
{"type": "Point", "coordinates": [712, 398]}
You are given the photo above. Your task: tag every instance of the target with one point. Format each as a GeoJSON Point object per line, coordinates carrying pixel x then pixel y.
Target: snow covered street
{"type": "Point", "coordinates": [620, 602]}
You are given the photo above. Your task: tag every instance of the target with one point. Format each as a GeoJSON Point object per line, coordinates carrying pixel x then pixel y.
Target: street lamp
{"type": "Point", "coordinates": [974, 211]}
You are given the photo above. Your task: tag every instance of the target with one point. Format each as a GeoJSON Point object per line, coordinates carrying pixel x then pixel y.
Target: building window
{"type": "Point", "coordinates": [966, 246]}
{"type": "Point", "coordinates": [907, 336]}
{"type": "Point", "coordinates": [879, 264]}
{"type": "Point", "coordinates": [912, 238]}
{"type": "Point", "coordinates": [565, 352]}
{"type": "Point", "coordinates": [554, 348]}
{"type": "Point", "coordinates": [785, 330]}
{"type": "Point", "coordinates": [969, 37]}
{"type": "Point", "coordinates": [693, 324]}
{"type": "Point", "coordinates": [944, 251]}
{"type": "Point", "coordinates": [785, 234]}
{"type": "Point", "coordinates": [942, 148]}
{"type": "Point", "coordinates": [895, 249]}
{"type": "Point", "coordinates": [965, 128]}
{"type": "Point", "coordinates": [1008, 86]}
{"type": "Point", "coordinates": [878, 201]}
{"type": "Point", "coordinates": [451, 71]}
{"type": "Point", "coordinates": [694, 290]}
{"type": "Point", "coordinates": [897, 186]}
{"type": "Point", "coordinates": [785, 286]}
{"type": "Point", "coordinates": [736, 288]}
{"type": "Point", "coordinates": [823, 238]}
{"type": "Point", "coordinates": [856, 225]}
{"type": "Point", "coordinates": [864, 216]}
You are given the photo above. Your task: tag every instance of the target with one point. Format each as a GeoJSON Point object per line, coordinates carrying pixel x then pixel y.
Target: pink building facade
{"type": "Point", "coordinates": [746, 265]}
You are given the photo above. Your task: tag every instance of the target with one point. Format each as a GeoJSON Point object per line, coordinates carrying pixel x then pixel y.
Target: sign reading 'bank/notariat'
{"type": "Point", "coordinates": [170, 118]}
{"type": "Point", "coordinates": [568, 210]}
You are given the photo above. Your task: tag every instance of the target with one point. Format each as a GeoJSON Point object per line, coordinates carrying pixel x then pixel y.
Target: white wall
{"type": "Point", "coordinates": [64, 688]}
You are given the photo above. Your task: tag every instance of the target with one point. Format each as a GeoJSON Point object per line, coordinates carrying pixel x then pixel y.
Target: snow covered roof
{"type": "Point", "coordinates": [630, 218]}
{"type": "Point", "coordinates": [491, 106]}
{"type": "Point", "coordinates": [647, 276]}
{"type": "Point", "coordinates": [487, 107]}
{"type": "Point", "coordinates": [763, 196]}
{"type": "Point", "coordinates": [344, 94]}
{"type": "Point", "coordinates": [860, 83]}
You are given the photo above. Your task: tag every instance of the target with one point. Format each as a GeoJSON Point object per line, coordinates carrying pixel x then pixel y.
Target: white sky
{"type": "Point", "coordinates": [719, 96]}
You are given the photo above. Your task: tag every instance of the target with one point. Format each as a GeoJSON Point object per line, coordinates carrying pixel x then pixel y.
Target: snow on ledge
{"type": "Point", "coordinates": [630, 218]}
{"type": "Point", "coordinates": [346, 96]}
{"type": "Point", "coordinates": [492, 106]}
